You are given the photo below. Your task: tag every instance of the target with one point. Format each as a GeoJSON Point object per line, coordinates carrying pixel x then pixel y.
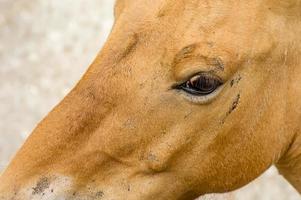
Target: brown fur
{"type": "Point", "coordinates": [123, 133]}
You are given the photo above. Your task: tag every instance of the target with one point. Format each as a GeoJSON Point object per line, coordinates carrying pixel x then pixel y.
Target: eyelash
{"type": "Point", "coordinates": [200, 88]}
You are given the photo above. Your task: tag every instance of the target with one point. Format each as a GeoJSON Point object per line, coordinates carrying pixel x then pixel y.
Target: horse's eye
{"type": "Point", "coordinates": [201, 84]}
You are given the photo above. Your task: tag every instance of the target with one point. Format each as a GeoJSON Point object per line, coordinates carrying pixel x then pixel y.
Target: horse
{"type": "Point", "coordinates": [186, 98]}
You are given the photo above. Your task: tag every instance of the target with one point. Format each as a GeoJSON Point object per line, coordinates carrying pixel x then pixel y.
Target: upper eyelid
{"type": "Point", "coordinates": [216, 62]}
{"type": "Point", "coordinates": [191, 66]}
{"type": "Point", "coordinates": [196, 51]}
{"type": "Point", "coordinates": [198, 57]}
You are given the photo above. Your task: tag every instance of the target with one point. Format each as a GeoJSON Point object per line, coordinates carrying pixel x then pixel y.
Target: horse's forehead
{"type": "Point", "coordinates": [215, 29]}
{"type": "Point", "coordinates": [210, 9]}
{"type": "Point", "coordinates": [163, 8]}
{"type": "Point", "coordinates": [192, 19]}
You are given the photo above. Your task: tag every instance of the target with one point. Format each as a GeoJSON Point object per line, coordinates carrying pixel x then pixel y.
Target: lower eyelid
{"type": "Point", "coordinates": [202, 99]}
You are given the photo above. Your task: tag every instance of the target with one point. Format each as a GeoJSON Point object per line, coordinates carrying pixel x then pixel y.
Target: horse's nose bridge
{"type": "Point", "coordinates": [63, 131]}
{"type": "Point", "coordinates": [72, 132]}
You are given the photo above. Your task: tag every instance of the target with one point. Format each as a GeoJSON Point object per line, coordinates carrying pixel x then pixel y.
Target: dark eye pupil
{"type": "Point", "coordinates": [202, 84]}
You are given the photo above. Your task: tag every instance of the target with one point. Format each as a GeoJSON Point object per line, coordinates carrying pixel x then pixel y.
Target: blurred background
{"type": "Point", "coordinates": [45, 47]}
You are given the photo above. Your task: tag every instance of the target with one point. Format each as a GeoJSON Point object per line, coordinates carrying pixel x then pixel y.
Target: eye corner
{"type": "Point", "coordinates": [177, 86]}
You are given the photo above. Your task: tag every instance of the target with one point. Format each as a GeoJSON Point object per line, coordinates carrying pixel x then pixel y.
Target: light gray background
{"type": "Point", "coordinates": [45, 47]}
